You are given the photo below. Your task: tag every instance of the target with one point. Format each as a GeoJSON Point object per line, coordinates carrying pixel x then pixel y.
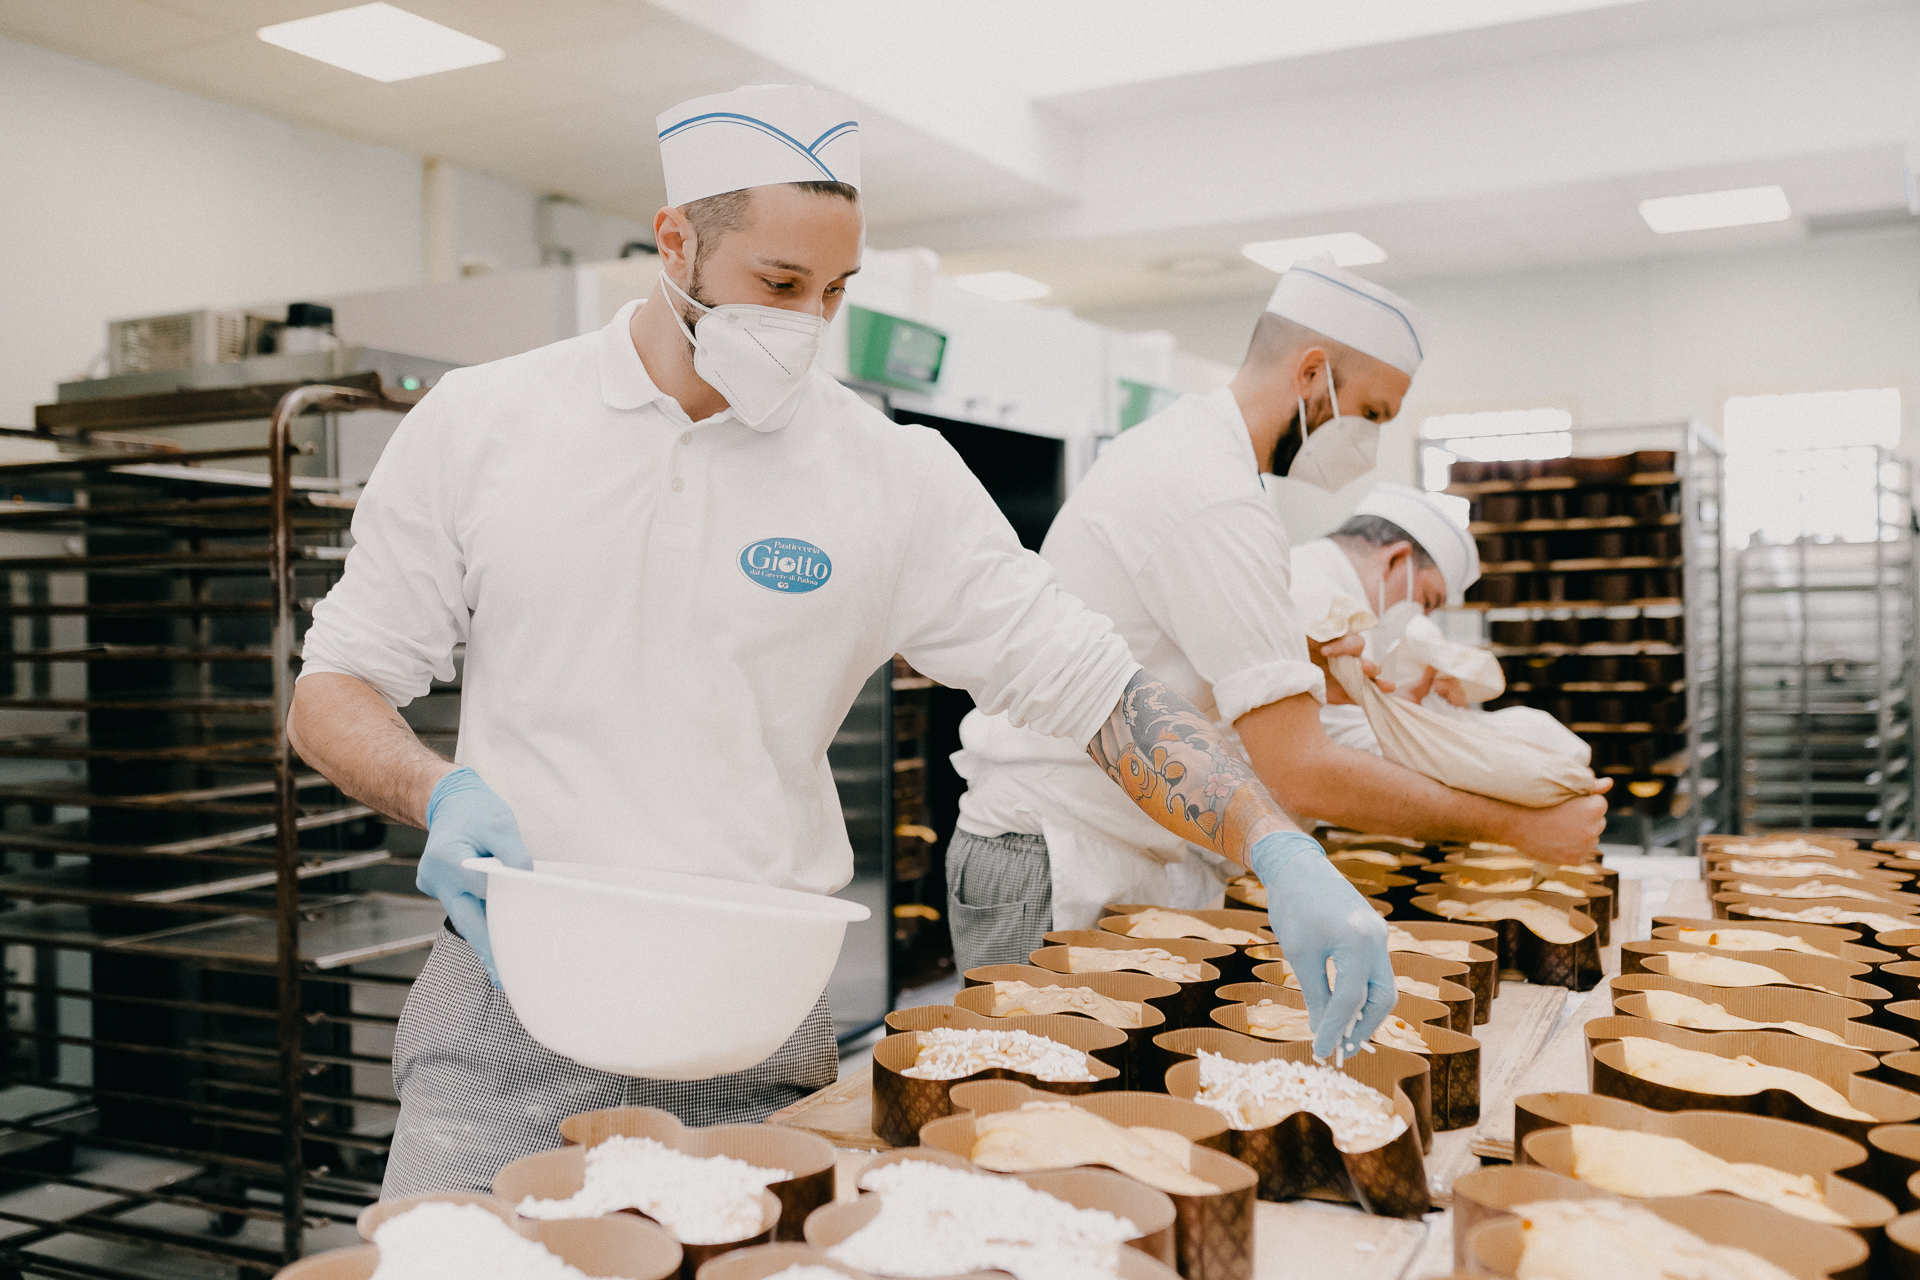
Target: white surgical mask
{"type": "Point", "coordinates": [756, 357]}
{"type": "Point", "coordinates": [1339, 451]}
{"type": "Point", "coordinates": [1393, 622]}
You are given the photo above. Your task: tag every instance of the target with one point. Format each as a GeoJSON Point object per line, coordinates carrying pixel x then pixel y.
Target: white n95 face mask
{"type": "Point", "coordinates": [1338, 451]}
{"type": "Point", "coordinates": [1393, 622]}
{"type": "Point", "coordinates": [755, 356]}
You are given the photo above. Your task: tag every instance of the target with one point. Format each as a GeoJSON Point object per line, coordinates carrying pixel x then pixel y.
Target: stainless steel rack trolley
{"type": "Point", "coordinates": [203, 962]}
{"type": "Point", "coordinates": [1602, 595]}
{"type": "Point", "coordinates": [1824, 643]}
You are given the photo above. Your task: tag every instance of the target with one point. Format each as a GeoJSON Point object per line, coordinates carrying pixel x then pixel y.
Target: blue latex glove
{"type": "Point", "coordinates": [1316, 916]}
{"type": "Point", "coordinates": [466, 820]}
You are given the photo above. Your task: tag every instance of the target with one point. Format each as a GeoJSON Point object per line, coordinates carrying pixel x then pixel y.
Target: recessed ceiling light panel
{"type": "Point", "coordinates": [381, 43]}
{"type": "Point", "coordinates": [1197, 265]}
{"type": "Point", "coordinates": [1347, 248]}
{"type": "Point", "coordinates": [1003, 286]}
{"type": "Point", "coordinates": [1711, 209]}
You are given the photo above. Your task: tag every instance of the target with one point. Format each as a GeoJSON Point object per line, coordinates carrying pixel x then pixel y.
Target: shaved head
{"type": "Point", "coordinates": [1277, 339]}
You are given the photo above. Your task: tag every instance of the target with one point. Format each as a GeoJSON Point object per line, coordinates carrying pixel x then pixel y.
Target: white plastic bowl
{"type": "Point", "coordinates": [658, 974]}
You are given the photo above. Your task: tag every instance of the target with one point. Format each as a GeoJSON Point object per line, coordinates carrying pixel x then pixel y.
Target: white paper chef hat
{"type": "Point", "coordinates": [1342, 306]}
{"type": "Point", "coordinates": [1428, 524]}
{"type": "Point", "coordinates": [755, 137]}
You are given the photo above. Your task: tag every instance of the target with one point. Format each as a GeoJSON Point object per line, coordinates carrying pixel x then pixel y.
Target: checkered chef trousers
{"type": "Point", "coordinates": [477, 1092]}
{"type": "Point", "coordinates": [999, 898]}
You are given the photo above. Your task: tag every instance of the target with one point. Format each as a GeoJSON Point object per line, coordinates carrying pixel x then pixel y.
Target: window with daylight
{"type": "Point", "coordinates": [1803, 465]}
{"type": "Point", "coordinates": [1499, 435]}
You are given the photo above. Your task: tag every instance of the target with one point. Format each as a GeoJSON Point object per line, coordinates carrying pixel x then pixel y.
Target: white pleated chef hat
{"type": "Point", "coordinates": [1342, 306]}
{"type": "Point", "coordinates": [1428, 524]}
{"type": "Point", "coordinates": [757, 136]}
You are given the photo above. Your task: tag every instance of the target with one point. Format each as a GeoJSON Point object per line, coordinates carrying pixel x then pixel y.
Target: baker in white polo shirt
{"type": "Point", "coordinates": [674, 550]}
{"type": "Point", "coordinates": [1405, 556]}
{"type": "Point", "coordinates": [1173, 537]}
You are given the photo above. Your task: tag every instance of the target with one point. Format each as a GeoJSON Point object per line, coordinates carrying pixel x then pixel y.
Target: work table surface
{"type": "Point", "coordinates": [1532, 1044]}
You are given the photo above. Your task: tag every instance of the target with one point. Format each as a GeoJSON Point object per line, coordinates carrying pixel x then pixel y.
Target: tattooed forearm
{"type": "Point", "coordinates": [1175, 765]}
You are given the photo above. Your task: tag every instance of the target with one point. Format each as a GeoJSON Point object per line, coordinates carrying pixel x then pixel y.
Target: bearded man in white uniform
{"type": "Point", "coordinates": [674, 552]}
{"type": "Point", "coordinates": [1403, 555]}
{"type": "Point", "coordinates": [1173, 537]}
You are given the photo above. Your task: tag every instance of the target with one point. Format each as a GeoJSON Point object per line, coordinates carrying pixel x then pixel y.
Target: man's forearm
{"type": "Point", "coordinates": [346, 730]}
{"type": "Point", "coordinates": [1174, 764]}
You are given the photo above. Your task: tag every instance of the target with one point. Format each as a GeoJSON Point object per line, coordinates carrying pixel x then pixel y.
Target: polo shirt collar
{"type": "Point", "coordinates": [626, 384]}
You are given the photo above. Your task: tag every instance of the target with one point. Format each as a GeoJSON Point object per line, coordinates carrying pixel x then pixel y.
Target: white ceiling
{"type": "Point", "coordinates": [1087, 142]}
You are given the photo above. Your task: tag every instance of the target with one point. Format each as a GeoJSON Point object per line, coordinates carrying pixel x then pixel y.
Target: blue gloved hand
{"type": "Point", "coordinates": [1316, 916]}
{"type": "Point", "coordinates": [466, 820]}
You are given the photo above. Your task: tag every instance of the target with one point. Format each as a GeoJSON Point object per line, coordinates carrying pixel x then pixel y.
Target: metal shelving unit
{"type": "Point", "coordinates": [1669, 769]}
{"type": "Point", "coordinates": [1824, 644]}
{"type": "Point", "coordinates": [203, 965]}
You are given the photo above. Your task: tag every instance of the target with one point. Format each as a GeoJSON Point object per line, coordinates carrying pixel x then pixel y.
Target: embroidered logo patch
{"type": "Point", "coordinates": [786, 564]}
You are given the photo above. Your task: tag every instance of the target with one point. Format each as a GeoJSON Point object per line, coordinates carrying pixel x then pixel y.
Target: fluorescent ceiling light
{"type": "Point", "coordinates": [1495, 422]}
{"type": "Point", "coordinates": [1712, 209]}
{"type": "Point", "coordinates": [1003, 286]}
{"type": "Point", "coordinates": [1347, 248]}
{"type": "Point", "coordinates": [381, 43]}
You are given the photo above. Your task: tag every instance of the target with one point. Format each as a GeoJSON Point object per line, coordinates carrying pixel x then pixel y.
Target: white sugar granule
{"type": "Point", "coordinates": [440, 1241]}
{"type": "Point", "coordinates": [699, 1199]}
{"type": "Point", "coordinates": [1254, 1095]}
{"type": "Point", "coordinates": [936, 1221]}
{"type": "Point", "coordinates": [948, 1053]}
{"type": "Point", "coordinates": [807, 1271]}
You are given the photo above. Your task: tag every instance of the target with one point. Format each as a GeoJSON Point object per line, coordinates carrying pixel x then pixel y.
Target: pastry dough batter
{"type": "Point", "coordinates": [1151, 960]}
{"type": "Point", "coordinates": [1806, 889]}
{"type": "Point", "coordinates": [1740, 1077]}
{"type": "Point", "coordinates": [1678, 1010]}
{"type": "Point", "coordinates": [1250, 889]}
{"type": "Point", "coordinates": [1270, 1021]}
{"type": "Point", "coordinates": [1775, 849]}
{"type": "Point", "coordinates": [1401, 982]}
{"type": "Point", "coordinates": [1378, 857]}
{"type": "Point", "coordinates": [1877, 921]}
{"type": "Point", "coordinates": [1399, 939]}
{"type": "Point", "coordinates": [1762, 867]}
{"type": "Point", "coordinates": [1059, 1135]}
{"type": "Point", "coordinates": [1011, 999]}
{"type": "Point", "coordinates": [1550, 923]}
{"type": "Point", "coordinates": [1608, 1240]}
{"type": "Point", "coordinates": [1719, 971]}
{"type": "Point", "coordinates": [1642, 1165]}
{"type": "Point", "coordinates": [1159, 923]}
{"type": "Point", "coordinates": [1511, 884]}
{"type": "Point", "coordinates": [1751, 940]}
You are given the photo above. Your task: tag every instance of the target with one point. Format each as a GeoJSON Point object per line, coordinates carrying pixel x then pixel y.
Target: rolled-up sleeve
{"type": "Point", "coordinates": [1219, 587]}
{"type": "Point", "coordinates": [396, 615]}
{"type": "Point", "coordinates": [977, 611]}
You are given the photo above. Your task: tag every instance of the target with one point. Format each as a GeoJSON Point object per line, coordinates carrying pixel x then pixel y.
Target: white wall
{"type": "Point", "coordinates": [119, 198]}
{"type": "Point", "coordinates": [498, 223]}
{"type": "Point", "coordinates": [122, 198]}
{"type": "Point", "coordinates": [1649, 341]}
